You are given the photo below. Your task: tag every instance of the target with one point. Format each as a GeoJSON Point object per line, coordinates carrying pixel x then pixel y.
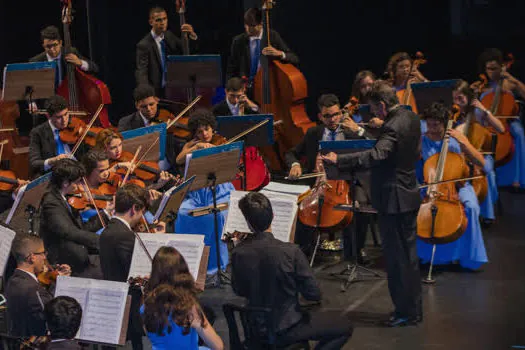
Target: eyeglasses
{"type": "Point", "coordinates": [38, 253]}
{"type": "Point", "coordinates": [50, 46]}
{"type": "Point", "coordinates": [329, 116]}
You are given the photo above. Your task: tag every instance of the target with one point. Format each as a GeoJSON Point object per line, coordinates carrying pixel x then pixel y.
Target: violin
{"type": "Point", "coordinates": [75, 129]}
{"type": "Point", "coordinates": [8, 181]}
{"type": "Point", "coordinates": [35, 342]}
{"type": "Point", "coordinates": [50, 275]}
{"type": "Point", "coordinates": [146, 170]}
{"type": "Point", "coordinates": [79, 199]}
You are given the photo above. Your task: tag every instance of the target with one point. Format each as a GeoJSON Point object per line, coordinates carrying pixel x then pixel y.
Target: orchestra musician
{"type": "Point", "coordinates": [362, 85]}
{"type": "Point", "coordinates": [236, 101]}
{"type": "Point", "coordinates": [469, 249]}
{"type": "Point", "coordinates": [154, 48]}
{"type": "Point", "coordinates": [399, 74]}
{"type": "Point", "coordinates": [271, 274]}
{"type": "Point", "coordinates": [63, 317]}
{"type": "Point", "coordinates": [395, 196]}
{"type": "Point", "coordinates": [246, 48]}
{"type": "Point", "coordinates": [25, 295]}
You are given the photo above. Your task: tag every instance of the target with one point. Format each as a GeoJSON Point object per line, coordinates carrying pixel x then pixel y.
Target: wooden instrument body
{"type": "Point", "coordinates": [16, 150]}
{"type": "Point", "coordinates": [180, 129]}
{"type": "Point", "coordinates": [478, 136]}
{"type": "Point", "coordinates": [406, 97]}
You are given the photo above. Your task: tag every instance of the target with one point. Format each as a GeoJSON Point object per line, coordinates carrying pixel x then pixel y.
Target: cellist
{"type": "Point", "coordinates": [469, 249]}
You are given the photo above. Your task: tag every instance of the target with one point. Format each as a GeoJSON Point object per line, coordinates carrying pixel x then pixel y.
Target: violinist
{"type": "Point", "coordinates": [469, 249]}
{"type": "Point", "coordinates": [25, 295]}
{"type": "Point", "coordinates": [202, 126]}
{"type": "Point", "coordinates": [154, 48]}
{"type": "Point", "coordinates": [395, 196]}
{"type": "Point", "coordinates": [246, 48]}
{"type": "Point", "coordinates": [236, 101]}
{"type": "Point", "coordinates": [492, 65]}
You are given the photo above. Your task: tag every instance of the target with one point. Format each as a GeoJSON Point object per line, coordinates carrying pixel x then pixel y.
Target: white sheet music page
{"type": "Point", "coordinates": [190, 246]}
{"type": "Point", "coordinates": [6, 240]}
{"type": "Point", "coordinates": [103, 304]}
{"type": "Point", "coordinates": [285, 188]}
{"type": "Point", "coordinates": [15, 205]}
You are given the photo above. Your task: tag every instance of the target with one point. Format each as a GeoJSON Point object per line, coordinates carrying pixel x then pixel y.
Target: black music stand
{"type": "Point", "coordinates": [212, 167]}
{"type": "Point", "coordinates": [230, 126]}
{"type": "Point", "coordinates": [353, 269]}
{"type": "Point", "coordinates": [429, 92]}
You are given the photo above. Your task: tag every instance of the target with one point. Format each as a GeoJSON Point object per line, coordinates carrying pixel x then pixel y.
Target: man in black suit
{"type": "Point", "coordinates": [66, 238]}
{"type": "Point", "coordinates": [306, 152]}
{"type": "Point", "coordinates": [236, 101]}
{"type": "Point", "coordinates": [154, 48]}
{"type": "Point", "coordinates": [247, 47]}
{"type": "Point", "coordinates": [63, 316]}
{"type": "Point", "coordinates": [25, 296]}
{"type": "Point", "coordinates": [395, 195]}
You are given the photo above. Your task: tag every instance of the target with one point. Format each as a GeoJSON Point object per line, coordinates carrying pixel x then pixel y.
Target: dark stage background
{"type": "Point", "coordinates": [334, 39]}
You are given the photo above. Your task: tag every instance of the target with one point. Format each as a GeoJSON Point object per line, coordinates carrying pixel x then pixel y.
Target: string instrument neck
{"type": "Point", "coordinates": [70, 68]}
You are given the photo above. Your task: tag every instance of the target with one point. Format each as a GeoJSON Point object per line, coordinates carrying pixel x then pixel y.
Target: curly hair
{"type": "Point", "coordinates": [105, 137]}
{"type": "Point", "coordinates": [201, 117]}
{"type": "Point", "coordinates": [437, 111]}
{"type": "Point", "coordinates": [489, 55]}
{"type": "Point", "coordinates": [394, 61]}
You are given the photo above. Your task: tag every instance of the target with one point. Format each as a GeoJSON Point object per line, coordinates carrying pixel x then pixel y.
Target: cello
{"type": "Point", "coordinates": [280, 89]}
{"type": "Point", "coordinates": [82, 91]}
{"type": "Point", "coordinates": [405, 96]}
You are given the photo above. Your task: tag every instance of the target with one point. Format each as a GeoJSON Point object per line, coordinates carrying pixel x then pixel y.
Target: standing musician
{"type": "Point", "coordinates": [469, 249]}
{"type": "Point", "coordinates": [66, 237]}
{"type": "Point", "coordinates": [246, 48]}
{"type": "Point", "coordinates": [395, 195]}
{"type": "Point", "coordinates": [25, 295]}
{"type": "Point", "coordinates": [154, 48]}
{"type": "Point", "coordinates": [236, 101]}
{"type": "Point", "coordinates": [333, 128]}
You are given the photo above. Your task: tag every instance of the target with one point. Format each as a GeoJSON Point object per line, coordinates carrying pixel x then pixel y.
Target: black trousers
{"type": "Point", "coordinates": [398, 235]}
{"type": "Point", "coordinates": [330, 328]}
{"type": "Point", "coordinates": [361, 226]}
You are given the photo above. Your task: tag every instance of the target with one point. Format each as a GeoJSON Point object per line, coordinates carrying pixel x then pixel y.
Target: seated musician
{"type": "Point", "coordinates": [271, 273]}
{"type": "Point", "coordinates": [67, 239]}
{"type": "Point", "coordinates": [398, 70]}
{"type": "Point", "coordinates": [202, 125]}
{"type": "Point", "coordinates": [236, 101]}
{"type": "Point", "coordinates": [469, 249]}
{"type": "Point", "coordinates": [491, 64]}
{"type": "Point", "coordinates": [25, 295]}
{"type": "Point", "coordinates": [246, 48]}
{"type": "Point", "coordinates": [63, 316]}
{"type": "Point", "coordinates": [333, 128]}
{"type": "Point", "coordinates": [154, 48]}
{"type": "Point", "coordinates": [362, 85]}
{"type": "Point", "coordinates": [465, 98]}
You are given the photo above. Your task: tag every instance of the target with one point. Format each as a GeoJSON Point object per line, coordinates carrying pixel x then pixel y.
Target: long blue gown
{"type": "Point", "coordinates": [469, 249]}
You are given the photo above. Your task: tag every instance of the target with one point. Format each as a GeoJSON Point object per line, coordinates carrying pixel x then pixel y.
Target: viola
{"type": "Point", "coordinates": [179, 129]}
{"type": "Point", "coordinates": [49, 276]}
{"type": "Point", "coordinates": [8, 181]}
{"type": "Point", "coordinates": [72, 132]}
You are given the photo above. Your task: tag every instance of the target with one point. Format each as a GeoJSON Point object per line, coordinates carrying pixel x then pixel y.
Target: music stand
{"type": "Point", "coordinates": [433, 91]}
{"type": "Point", "coordinates": [171, 201]}
{"type": "Point", "coordinates": [230, 126]}
{"type": "Point", "coordinates": [211, 167]}
{"type": "Point", "coordinates": [334, 173]}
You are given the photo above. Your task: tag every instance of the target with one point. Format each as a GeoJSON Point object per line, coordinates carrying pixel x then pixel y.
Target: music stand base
{"type": "Point", "coordinates": [353, 270]}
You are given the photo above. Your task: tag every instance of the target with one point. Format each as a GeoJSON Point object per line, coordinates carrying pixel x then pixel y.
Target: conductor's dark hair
{"type": "Point", "coordinates": [463, 87]}
{"type": "Point", "coordinates": [142, 92]}
{"type": "Point", "coordinates": [253, 16]}
{"type": "Point", "coordinates": [22, 246]}
{"type": "Point", "coordinates": [382, 91]}
{"type": "Point", "coordinates": [327, 101]}
{"type": "Point", "coordinates": [489, 55]}
{"type": "Point", "coordinates": [156, 9]}
{"type": "Point", "coordinates": [394, 61]}
{"type": "Point", "coordinates": [201, 117]}
{"type": "Point", "coordinates": [66, 169]}
{"type": "Point", "coordinates": [234, 84]}
{"type": "Point", "coordinates": [91, 159]}
{"type": "Point", "coordinates": [257, 211]}
{"type": "Point", "coordinates": [436, 111]}
{"type": "Point", "coordinates": [63, 315]}
{"type": "Point", "coordinates": [130, 195]}
{"type": "Point", "coordinates": [357, 82]}
{"type": "Point", "coordinates": [55, 104]}
{"type": "Point", "coordinates": [50, 33]}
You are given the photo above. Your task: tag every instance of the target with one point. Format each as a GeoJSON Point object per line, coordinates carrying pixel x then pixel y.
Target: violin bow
{"type": "Point", "coordinates": [80, 139]}
{"type": "Point", "coordinates": [92, 200]}
{"type": "Point", "coordinates": [247, 131]}
{"type": "Point", "coordinates": [188, 107]}
{"type": "Point", "coordinates": [132, 165]}
{"type": "Point", "coordinates": [147, 151]}
{"type": "Point", "coordinates": [450, 181]}
{"type": "Point", "coordinates": [142, 245]}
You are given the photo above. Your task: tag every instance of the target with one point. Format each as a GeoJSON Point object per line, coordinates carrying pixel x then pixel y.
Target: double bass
{"type": "Point", "coordinates": [405, 96]}
{"type": "Point", "coordinates": [280, 89]}
{"type": "Point", "coordinates": [82, 91]}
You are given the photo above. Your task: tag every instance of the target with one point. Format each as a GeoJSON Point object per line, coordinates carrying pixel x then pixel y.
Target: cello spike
{"type": "Point", "coordinates": [429, 279]}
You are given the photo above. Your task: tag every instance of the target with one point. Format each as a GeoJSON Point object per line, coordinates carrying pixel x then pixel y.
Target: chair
{"type": "Point", "coordinates": [258, 328]}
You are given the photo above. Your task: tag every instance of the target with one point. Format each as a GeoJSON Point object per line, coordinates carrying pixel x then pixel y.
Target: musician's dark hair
{"type": "Point", "coordinates": [327, 101]}
{"type": "Point", "coordinates": [396, 58]}
{"type": "Point", "coordinates": [253, 16]}
{"type": "Point", "coordinates": [357, 82]}
{"type": "Point", "coordinates": [55, 104]}
{"type": "Point", "coordinates": [382, 91]}
{"type": "Point", "coordinates": [165, 303]}
{"type": "Point", "coordinates": [142, 92]}
{"type": "Point", "coordinates": [170, 267]}
{"type": "Point", "coordinates": [63, 315]}
{"type": "Point", "coordinates": [91, 159]}
{"type": "Point", "coordinates": [201, 117]}
{"type": "Point", "coordinates": [66, 169]}
{"type": "Point", "coordinates": [257, 210]}
{"type": "Point", "coordinates": [130, 195]}
{"type": "Point", "coordinates": [234, 84]}
{"type": "Point", "coordinates": [22, 246]}
{"type": "Point", "coordinates": [50, 33]}
{"type": "Point", "coordinates": [436, 111]}
{"type": "Point", "coordinates": [156, 9]}
{"type": "Point", "coordinates": [463, 87]}
{"type": "Point", "coordinates": [489, 55]}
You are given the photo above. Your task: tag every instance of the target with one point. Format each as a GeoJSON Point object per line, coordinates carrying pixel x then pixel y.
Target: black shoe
{"type": "Point", "coordinates": [401, 322]}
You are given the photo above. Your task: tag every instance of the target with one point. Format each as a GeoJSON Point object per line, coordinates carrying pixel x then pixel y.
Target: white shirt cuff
{"type": "Point", "coordinates": [360, 131]}
{"type": "Point", "coordinates": [84, 66]}
{"type": "Point", "coordinates": [283, 56]}
{"type": "Point", "coordinates": [295, 163]}
{"type": "Point", "coordinates": [46, 165]}
{"type": "Point", "coordinates": [193, 36]}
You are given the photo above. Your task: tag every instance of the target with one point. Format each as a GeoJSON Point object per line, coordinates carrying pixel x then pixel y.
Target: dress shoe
{"type": "Point", "coordinates": [399, 321]}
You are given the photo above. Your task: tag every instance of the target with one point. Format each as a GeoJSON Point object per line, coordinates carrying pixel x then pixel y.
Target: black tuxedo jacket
{"type": "Point", "coordinates": [116, 249]}
{"type": "Point", "coordinates": [131, 122]}
{"type": "Point", "coordinates": [24, 310]}
{"type": "Point", "coordinates": [222, 109]}
{"type": "Point", "coordinates": [42, 57]}
{"type": "Point", "coordinates": [240, 58]}
{"type": "Point", "coordinates": [392, 162]}
{"type": "Point", "coordinates": [67, 240]}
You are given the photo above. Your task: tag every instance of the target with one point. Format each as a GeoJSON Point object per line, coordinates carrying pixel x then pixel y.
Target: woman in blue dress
{"type": "Point", "coordinates": [469, 249]}
{"type": "Point", "coordinates": [202, 126]}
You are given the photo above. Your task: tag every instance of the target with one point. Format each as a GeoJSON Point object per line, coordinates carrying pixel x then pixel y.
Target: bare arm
{"type": "Point", "coordinates": [207, 333]}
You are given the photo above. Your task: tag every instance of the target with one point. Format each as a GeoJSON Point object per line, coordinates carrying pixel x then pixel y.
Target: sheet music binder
{"type": "Point", "coordinates": [172, 199]}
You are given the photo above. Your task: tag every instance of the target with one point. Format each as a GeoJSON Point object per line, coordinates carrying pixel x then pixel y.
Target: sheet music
{"type": "Point", "coordinates": [285, 188]}
{"type": "Point", "coordinates": [15, 205]}
{"type": "Point", "coordinates": [284, 214]}
{"type": "Point", "coordinates": [103, 304]}
{"type": "Point", "coordinates": [6, 240]}
{"type": "Point", "coordinates": [190, 247]}
{"type": "Point", "coordinates": [169, 193]}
